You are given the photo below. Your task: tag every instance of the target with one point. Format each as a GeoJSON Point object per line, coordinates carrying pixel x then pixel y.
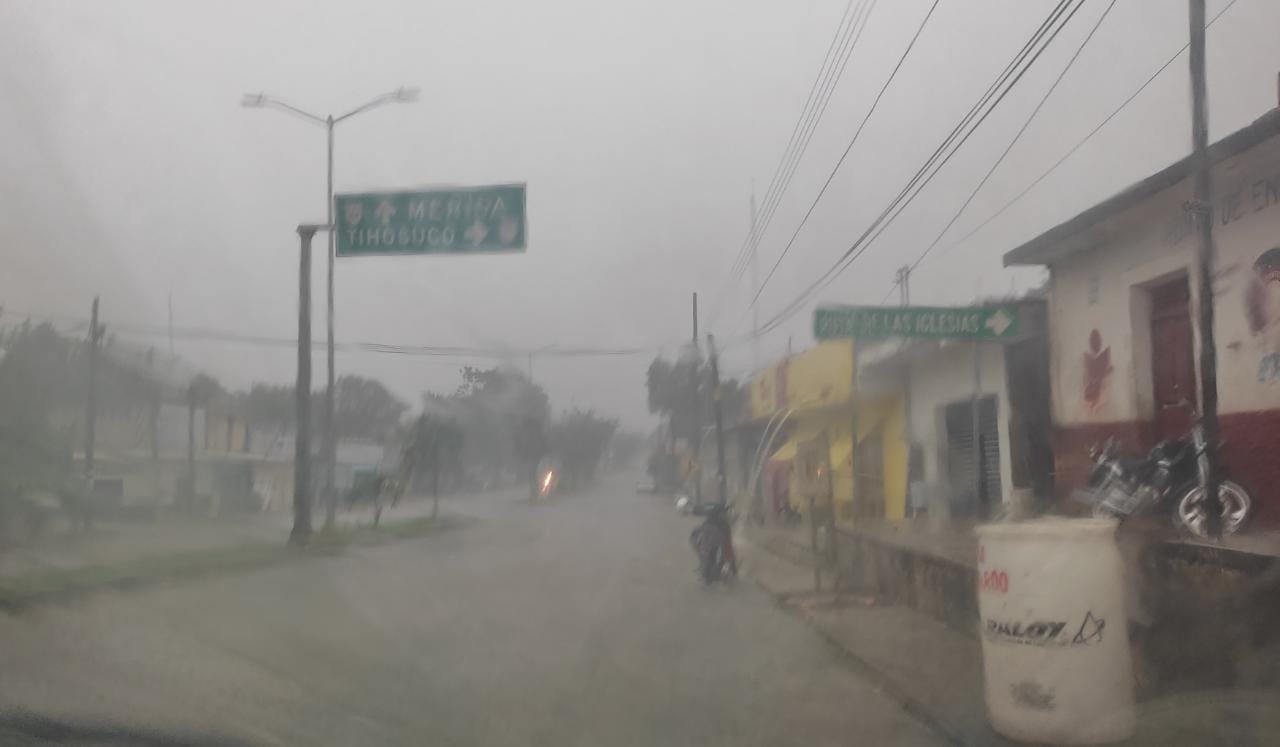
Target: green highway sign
{"type": "Point", "coordinates": [996, 322]}
{"type": "Point", "coordinates": [448, 220]}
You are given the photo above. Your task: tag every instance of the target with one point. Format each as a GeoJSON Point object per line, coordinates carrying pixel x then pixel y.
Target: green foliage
{"type": "Point", "coordinates": [365, 408]}
{"type": "Point", "coordinates": [670, 388]}
{"type": "Point", "coordinates": [267, 404]}
{"type": "Point", "coordinates": [579, 440]}
{"type": "Point", "coordinates": [204, 390]}
{"type": "Point", "coordinates": [34, 377]}
{"type": "Point", "coordinates": [503, 416]}
{"type": "Point", "coordinates": [433, 447]}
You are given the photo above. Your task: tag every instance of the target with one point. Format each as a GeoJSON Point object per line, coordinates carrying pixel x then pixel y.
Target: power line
{"type": "Point", "coordinates": [1072, 151]}
{"type": "Point", "coordinates": [810, 116]}
{"type": "Point", "coordinates": [204, 334]}
{"type": "Point", "coordinates": [795, 130]}
{"type": "Point", "coordinates": [897, 202]}
{"type": "Point", "coordinates": [770, 206]}
{"type": "Point", "coordinates": [1022, 62]}
{"type": "Point", "coordinates": [840, 162]}
{"type": "Point", "coordinates": [1017, 136]}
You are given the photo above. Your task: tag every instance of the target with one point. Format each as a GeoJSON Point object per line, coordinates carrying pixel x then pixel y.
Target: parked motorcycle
{"type": "Point", "coordinates": [1171, 477]}
{"type": "Point", "coordinates": [712, 542]}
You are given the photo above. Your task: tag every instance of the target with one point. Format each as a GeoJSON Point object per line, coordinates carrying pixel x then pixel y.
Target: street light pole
{"type": "Point", "coordinates": [328, 441]}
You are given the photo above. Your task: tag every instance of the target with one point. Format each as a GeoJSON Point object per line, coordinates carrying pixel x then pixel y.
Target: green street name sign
{"type": "Point", "coordinates": [995, 322]}
{"type": "Point", "coordinates": [449, 220]}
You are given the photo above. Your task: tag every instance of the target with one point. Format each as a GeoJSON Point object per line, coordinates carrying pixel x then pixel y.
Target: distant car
{"type": "Point", "coordinates": [647, 486]}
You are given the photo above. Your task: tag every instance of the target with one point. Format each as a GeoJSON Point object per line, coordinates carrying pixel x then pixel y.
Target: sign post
{"type": "Point", "coordinates": [446, 220]}
{"type": "Point", "coordinates": [813, 468]}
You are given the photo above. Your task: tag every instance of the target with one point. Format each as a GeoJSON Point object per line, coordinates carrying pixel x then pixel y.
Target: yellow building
{"type": "Point", "coordinates": [814, 394]}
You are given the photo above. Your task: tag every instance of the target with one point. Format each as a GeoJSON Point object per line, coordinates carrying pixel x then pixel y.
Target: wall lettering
{"type": "Point", "coordinates": [1253, 195]}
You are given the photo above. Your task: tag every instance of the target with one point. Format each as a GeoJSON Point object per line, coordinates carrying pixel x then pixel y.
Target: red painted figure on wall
{"type": "Point", "coordinates": [1097, 368]}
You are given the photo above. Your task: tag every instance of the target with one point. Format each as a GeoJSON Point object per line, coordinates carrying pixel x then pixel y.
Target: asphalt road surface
{"type": "Point", "coordinates": [577, 622]}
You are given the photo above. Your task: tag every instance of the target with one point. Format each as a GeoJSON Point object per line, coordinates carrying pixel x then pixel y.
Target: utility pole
{"type": "Point", "coordinates": [329, 445]}
{"type": "Point", "coordinates": [903, 281]}
{"type": "Point", "coordinates": [723, 496]}
{"type": "Point", "coordinates": [302, 397]}
{"type": "Point", "coordinates": [1202, 207]}
{"type": "Point", "coordinates": [755, 283]}
{"type": "Point", "coordinates": [695, 438]}
{"type": "Point", "coordinates": [189, 485]}
{"type": "Point", "coordinates": [91, 405]}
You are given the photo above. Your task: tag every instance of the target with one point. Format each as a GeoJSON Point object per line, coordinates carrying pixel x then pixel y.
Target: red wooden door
{"type": "Point", "coordinates": [1172, 360]}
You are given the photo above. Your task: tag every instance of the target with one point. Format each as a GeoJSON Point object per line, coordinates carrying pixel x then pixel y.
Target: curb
{"type": "Point", "coordinates": [21, 593]}
{"type": "Point", "coordinates": [882, 682]}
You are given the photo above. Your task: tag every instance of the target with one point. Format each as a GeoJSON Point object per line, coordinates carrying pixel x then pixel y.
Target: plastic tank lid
{"type": "Point", "coordinates": [1050, 526]}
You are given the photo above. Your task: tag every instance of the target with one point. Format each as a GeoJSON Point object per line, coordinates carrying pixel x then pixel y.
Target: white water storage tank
{"type": "Point", "coordinates": [1055, 643]}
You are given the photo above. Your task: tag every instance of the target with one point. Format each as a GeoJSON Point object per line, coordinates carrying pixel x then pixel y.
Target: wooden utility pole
{"type": "Point", "coordinates": [1202, 208]}
{"type": "Point", "coordinates": [189, 487]}
{"type": "Point", "coordinates": [91, 399]}
{"type": "Point", "coordinates": [695, 438]}
{"type": "Point", "coordinates": [302, 397]}
{"type": "Point", "coordinates": [721, 481]}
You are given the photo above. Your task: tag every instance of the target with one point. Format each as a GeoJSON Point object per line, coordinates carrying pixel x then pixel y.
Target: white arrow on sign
{"type": "Point", "coordinates": [384, 211]}
{"type": "Point", "coordinates": [998, 322]}
{"type": "Point", "coordinates": [476, 233]}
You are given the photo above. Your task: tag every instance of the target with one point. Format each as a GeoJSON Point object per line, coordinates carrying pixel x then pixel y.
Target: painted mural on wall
{"type": "Point", "coordinates": [1097, 371]}
{"type": "Point", "coordinates": [1262, 310]}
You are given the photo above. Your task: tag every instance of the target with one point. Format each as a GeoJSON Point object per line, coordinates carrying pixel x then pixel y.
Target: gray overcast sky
{"type": "Point", "coordinates": [130, 169]}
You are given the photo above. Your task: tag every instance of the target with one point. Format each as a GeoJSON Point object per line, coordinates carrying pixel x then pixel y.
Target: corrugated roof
{"type": "Point", "coordinates": [1047, 247]}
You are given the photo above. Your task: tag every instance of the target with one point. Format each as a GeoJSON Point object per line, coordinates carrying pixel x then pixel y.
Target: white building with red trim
{"type": "Point", "coordinates": [1123, 314]}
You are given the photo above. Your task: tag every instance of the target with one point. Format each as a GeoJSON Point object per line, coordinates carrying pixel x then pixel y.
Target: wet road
{"type": "Point", "coordinates": [572, 623]}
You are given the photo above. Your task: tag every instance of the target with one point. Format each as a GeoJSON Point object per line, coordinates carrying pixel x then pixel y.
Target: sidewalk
{"type": "Point", "coordinates": [935, 670]}
{"type": "Point", "coordinates": [120, 553]}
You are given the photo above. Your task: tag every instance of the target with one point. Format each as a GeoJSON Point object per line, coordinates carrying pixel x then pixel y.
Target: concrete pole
{"type": "Point", "coordinates": [330, 440]}
{"type": "Point", "coordinates": [302, 397]}
{"type": "Point", "coordinates": [1203, 209]}
{"type": "Point", "coordinates": [91, 398]}
{"type": "Point", "coordinates": [715, 398]}
{"type": "Point", "coordinates": [695, 438]}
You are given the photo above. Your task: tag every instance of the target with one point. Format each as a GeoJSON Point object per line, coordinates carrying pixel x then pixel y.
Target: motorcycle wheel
{"type": "Point", "coordinates": [1237, 504]}
{"type": "Point", "coordinates": [1101, 511]}
{"type": "Point", "coordinates": [707, 544]}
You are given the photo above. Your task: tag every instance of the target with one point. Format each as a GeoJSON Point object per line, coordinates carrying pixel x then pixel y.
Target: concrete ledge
{"type": "Point", "coordinates": [60, 584]}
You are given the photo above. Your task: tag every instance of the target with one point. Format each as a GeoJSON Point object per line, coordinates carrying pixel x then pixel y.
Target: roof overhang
{"type": "Point", "coordinates": [1059, 242]}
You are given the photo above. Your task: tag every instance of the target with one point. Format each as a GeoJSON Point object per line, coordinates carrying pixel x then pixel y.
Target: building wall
{"type": "Point", "coordinates": [946, 377]}
{"type": "Point", "coordinates": [1104, 387]}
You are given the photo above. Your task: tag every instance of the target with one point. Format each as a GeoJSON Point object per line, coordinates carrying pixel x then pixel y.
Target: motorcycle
{"type": "Point", "coordinates": [712, 542]}
{"type": "Point", "coordinates": [550, 483]}
{"type": "Point", "coordinates": [1171, 477]}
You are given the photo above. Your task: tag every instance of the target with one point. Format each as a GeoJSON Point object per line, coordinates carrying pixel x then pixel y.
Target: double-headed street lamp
{"type": "Point", "coordinates": [402, 95]}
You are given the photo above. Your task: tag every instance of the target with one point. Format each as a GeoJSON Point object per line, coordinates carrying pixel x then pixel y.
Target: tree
{"type": "Point", "coordinates": [504, 416]}
{"type": "Point", "coordinates": [579, 440]}
{"type": "Point", "coordinates": [268, 404]}
{"type": "Point", "coordinates": [434, 445]}
{"type": "Point", "coordinates": [365, 408]}
{"type": "Point", "coordinates": [671, 395]}
{"type": "Point", "coordinates": [670, 389]}
{"type": "Point", "coordinates": [34, 454]}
